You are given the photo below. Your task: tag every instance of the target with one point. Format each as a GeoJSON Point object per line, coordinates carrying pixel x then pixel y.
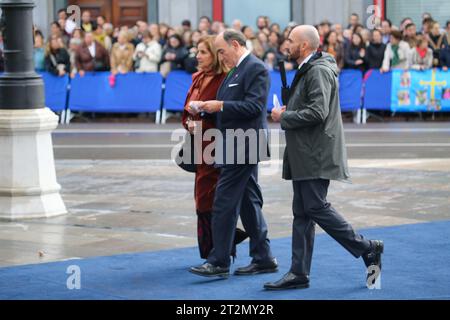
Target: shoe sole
{"type": "Point", "coordinates": [297, 286]}
{"type": "Point", "coordinates": [219, 275]}
{"type": "Point", "coordinates": [237, 273]}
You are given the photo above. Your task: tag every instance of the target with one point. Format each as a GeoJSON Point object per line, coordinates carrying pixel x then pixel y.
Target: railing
{"type": "Point", "coordinates": [396, 91]}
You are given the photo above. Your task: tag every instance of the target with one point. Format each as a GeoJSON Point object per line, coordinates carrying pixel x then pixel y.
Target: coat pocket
{"type": "Point", "coordinates": [330, 135]}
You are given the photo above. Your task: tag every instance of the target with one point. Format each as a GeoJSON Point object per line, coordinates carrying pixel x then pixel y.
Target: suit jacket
{"type": "Point", "coordinates": [244, 94]}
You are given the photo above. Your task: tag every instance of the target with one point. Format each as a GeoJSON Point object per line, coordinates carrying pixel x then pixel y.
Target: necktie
{"type": "Point", "coordinates": [231, 72]}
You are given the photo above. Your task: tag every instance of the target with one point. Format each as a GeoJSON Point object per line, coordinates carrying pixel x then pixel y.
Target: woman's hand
{"type": "Point", "coordinates": [193, 107]}
{"type": "Point", "coordinates": [191, 125]}
{"type": "Point", "coordinates": [170, 56]}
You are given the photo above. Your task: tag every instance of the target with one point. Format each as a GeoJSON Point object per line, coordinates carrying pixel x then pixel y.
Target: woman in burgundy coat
{"type": "Point", "coordinates": [205, 85]}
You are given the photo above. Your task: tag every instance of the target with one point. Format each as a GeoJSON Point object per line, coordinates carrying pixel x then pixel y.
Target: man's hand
{"type": "Point", "coordinates": [211, 106]}
{"type": "Point", "coordinates": [276, 113]}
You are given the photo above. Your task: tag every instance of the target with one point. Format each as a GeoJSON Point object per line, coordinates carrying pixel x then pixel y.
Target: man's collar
{"type": "Point", "coordinates": [246, 53]}
{"type": "Point", "coordinates": [306, 59]}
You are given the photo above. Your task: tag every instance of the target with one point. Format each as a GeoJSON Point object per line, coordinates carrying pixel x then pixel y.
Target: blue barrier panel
{"type": "Point", "coordinates": [420, 91]}
{"type": "Point", "coordinates": [377, 90]}
{"type": "Point", "coordinates": [178, 83]}
{"type": "Point", "coordinates": [350, 84]}
{"type": "Point", "coordinates": [132, 92]}
{"type": "Point", "coordinates": [275, 86]}
{"type": "Point", "coordinates": [177, 87]}
{"type": "Point", "coordinates": [55, 91]}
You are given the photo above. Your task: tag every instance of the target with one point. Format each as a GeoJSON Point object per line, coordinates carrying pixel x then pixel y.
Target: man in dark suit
{"type": "Point", "coordinates": [315, 154]}
{"type": "Point", "coordinates": [241, 119]}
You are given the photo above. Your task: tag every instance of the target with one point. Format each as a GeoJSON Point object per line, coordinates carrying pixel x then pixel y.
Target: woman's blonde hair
{"type": "Point", "coordinates": [48, 47]}
{"type": "Point", "coordinates": [218, 67]}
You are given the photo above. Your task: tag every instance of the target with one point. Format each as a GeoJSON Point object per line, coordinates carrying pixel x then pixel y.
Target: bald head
{"type": "Point", "coordinates": [303, 40]}
{"type": "Point", "coordinates": [307, 33]}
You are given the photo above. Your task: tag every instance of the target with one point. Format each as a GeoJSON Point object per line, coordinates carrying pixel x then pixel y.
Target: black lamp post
{"type": "Point", "coordinates": [20, 86]}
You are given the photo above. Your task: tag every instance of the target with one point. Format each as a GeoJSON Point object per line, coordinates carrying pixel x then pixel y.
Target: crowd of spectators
{"type": "Point", "coordinates": [100, 46]}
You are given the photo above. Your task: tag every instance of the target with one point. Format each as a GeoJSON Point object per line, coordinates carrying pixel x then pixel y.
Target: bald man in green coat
{"type": "Point", "coordinates": [315, 154]}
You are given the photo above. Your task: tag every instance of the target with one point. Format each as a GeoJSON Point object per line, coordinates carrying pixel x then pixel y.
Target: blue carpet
{"type": "Point", "coordinates": [416, 265]}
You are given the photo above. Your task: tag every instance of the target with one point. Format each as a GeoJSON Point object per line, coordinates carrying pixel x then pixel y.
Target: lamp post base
{"type": "Point", "coordinates": [28, 186]}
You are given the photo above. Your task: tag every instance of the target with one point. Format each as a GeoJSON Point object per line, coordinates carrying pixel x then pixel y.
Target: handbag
{"type": "Point", "coordinates": [187, 153]}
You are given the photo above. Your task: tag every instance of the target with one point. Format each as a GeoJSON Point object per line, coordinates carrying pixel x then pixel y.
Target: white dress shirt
{"type": "Point", "coordinates": [247, 52]}
{"type": "Point", "coordinates": [306, 60]}
{"type": "Point", "coordinates": [92, 49]}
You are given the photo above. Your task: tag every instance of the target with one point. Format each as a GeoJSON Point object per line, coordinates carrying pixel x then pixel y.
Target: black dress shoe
{"type": "Point", "coordinates": [256, 268]}
{"type": "Point", "coordinates": [373, 255]}
{"type": "Point", "coordinates": [289, 281]}
{"type": "Point", "coordinates": [209, 270]}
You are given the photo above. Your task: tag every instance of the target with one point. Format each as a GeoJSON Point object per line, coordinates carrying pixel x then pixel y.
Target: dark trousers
{"type": "Point", "coordinates": [310, 206]}
{"type": "Point", "coordinates": [238, 194]}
